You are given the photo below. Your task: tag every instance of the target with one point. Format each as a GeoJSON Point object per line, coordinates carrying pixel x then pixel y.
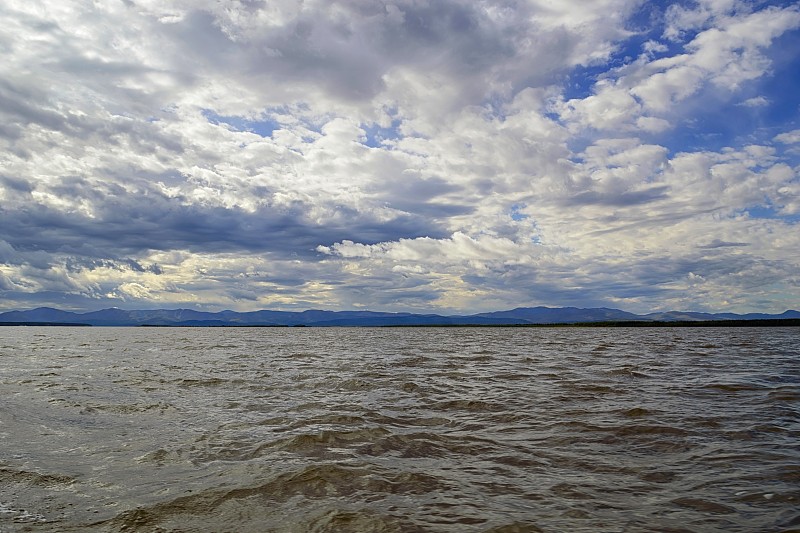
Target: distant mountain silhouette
{"type": "Point", "coordinates": [41, 314]}
{"type": "Point", "coordinates": [562, 315]}
{"type": "Point", "coordinates": [519, 316]}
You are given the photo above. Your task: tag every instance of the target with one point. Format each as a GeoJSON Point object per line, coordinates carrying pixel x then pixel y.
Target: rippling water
{"type": "Point", "coordinates": [451, 429]}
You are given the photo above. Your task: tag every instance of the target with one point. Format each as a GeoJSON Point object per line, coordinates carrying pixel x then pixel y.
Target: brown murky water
{"type": "Point", "coordinates": [442, 430]}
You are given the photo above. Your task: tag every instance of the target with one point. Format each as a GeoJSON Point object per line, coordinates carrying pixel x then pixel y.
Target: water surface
{"type": "Point", "coordinates": [372, 429]}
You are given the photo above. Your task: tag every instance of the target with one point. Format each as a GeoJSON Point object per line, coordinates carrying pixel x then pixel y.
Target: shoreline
{"type": "Point", "coordinates": [780, 322]}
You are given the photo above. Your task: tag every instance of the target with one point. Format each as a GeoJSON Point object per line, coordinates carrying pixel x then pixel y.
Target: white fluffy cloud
{"type": "Point", "coordinates": [644, 94]}
{"type": "Point", "coordinates": [789, 137]}
{"type": "Point", "coordinates": [406, 155]}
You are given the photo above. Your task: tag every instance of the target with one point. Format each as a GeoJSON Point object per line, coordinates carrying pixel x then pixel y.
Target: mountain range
{"type": "Point", "coordinates": [519, 316]}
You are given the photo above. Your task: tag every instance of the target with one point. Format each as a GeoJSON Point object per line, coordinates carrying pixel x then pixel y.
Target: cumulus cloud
{"type": "Point", "coordinates": [790, 137]}
{"type": "Point", "coordinates": [404, 155]}
{"type": "Point", "coordinates": [725, 55]}
{"type": "Point", "coordinates": [756, 101]}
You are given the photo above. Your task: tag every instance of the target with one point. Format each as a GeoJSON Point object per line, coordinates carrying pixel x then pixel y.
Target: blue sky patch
{"type": "Point", "coordinates": [377, 135]}
{"type": "Point", "coordinates": [263, 128]}
{"type": "Point", "coordinates": [517, 214]}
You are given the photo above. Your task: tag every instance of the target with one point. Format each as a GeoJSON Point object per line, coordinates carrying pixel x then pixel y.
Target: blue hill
{"type": "Point", "coordinates": [519, 316]}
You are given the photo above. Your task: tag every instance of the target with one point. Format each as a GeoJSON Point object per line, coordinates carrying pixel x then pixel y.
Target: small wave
{"type": "Point", "coordinates": [258, 508]}
{"type": "Point", "coordinates": [324, 441]}
{"type": "Point", "coordinates": [704, 506]}
{"type": "Point", "coordinates": [649, 429]}
{"type": "Point", "coordinates": [784, 394]}
{"type": "Point", "coordinates": [407, 422]}
{"type": "Point", "coordinates": [35, 478]}
{"type": "Point", "coordinates": [515, 376]}
{"type": "Point", "coordinates": [761, 497]}
{"type": "Point", "coordinates": [478, 358]}
{"type": "Point", "coordinates": [734, 387]}
{"type": "Point", "coordinates": [593, 388]}
{"type": "Point", "coordinates": [19, 515]}
{"type": "Point", "coordinates": [515, 527]}
{"type": "Point", "coordinates": [414, 361]}
{"type": "Point", "coordinates": [126, 409]}
{"type": "Point", "coordinates": [519, 461]}
{"type": "Point", "coordinates": [14, 481]}
{"type": "Point", "coordinates": [659, 476]}
{"type": "Point", "coordinates": [325, 419]}
{"type": "Point", "coordinates": [636, 412]}
{"type": "Point", "coordinates": [468, 405]}
{"type": "Point", "coordinates": [336, 520]}
{"type": "Point", "coordinates": [410, 386]}
{"type": "Point", "coordinates": [208, 382]}
{"type": "Point", "coordinates": [327, 443]}
{"type": "Point", "coordinates": [353, 384]}
{"type": "Point", "coordinates": [627, 372]}
{"type": "Point", "coordinates": [789, 473]}
{"type": "Point", "coordinates": [425, 444]}
{"type": "Point", "coordinates": [570, 492]}
{"type": "Point", "coordinates": [159, 457]}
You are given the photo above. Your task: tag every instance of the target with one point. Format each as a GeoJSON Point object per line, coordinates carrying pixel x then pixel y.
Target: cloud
{"type": "Point", "coordinates": [756, 101]}
{"type": "Point", "coordinates": [409, 155]}
{"type": "Point", "coordinates": [790, 137]}
{"type": "Point", "coordinates": [724, 56]}
{"type": "Point", "coordinates": [631, 214]}
{"type": "Point", "coordinates": [716, 243]}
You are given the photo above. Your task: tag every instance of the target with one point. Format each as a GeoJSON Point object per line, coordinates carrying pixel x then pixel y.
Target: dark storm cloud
{"type": "Point", "coordinates": [33, 258]}
{"type": "Point", "coordinates": [21, 104]}
{"type": "Point", "coordinates": [14, 185]}
{"type": "Point", "coordinates": [125, 223]}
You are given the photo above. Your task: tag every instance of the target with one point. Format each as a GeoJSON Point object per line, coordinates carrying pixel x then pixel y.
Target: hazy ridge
{"type": "Point", "coordinates": [518, 316]}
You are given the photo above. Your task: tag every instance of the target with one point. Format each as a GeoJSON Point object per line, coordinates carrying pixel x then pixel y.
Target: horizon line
{"type": "Point", "coordinates": [430, 312]}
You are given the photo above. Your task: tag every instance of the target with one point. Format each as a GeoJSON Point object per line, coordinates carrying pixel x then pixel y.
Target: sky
{"type": "Point", "coordinates": [439, 156]}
